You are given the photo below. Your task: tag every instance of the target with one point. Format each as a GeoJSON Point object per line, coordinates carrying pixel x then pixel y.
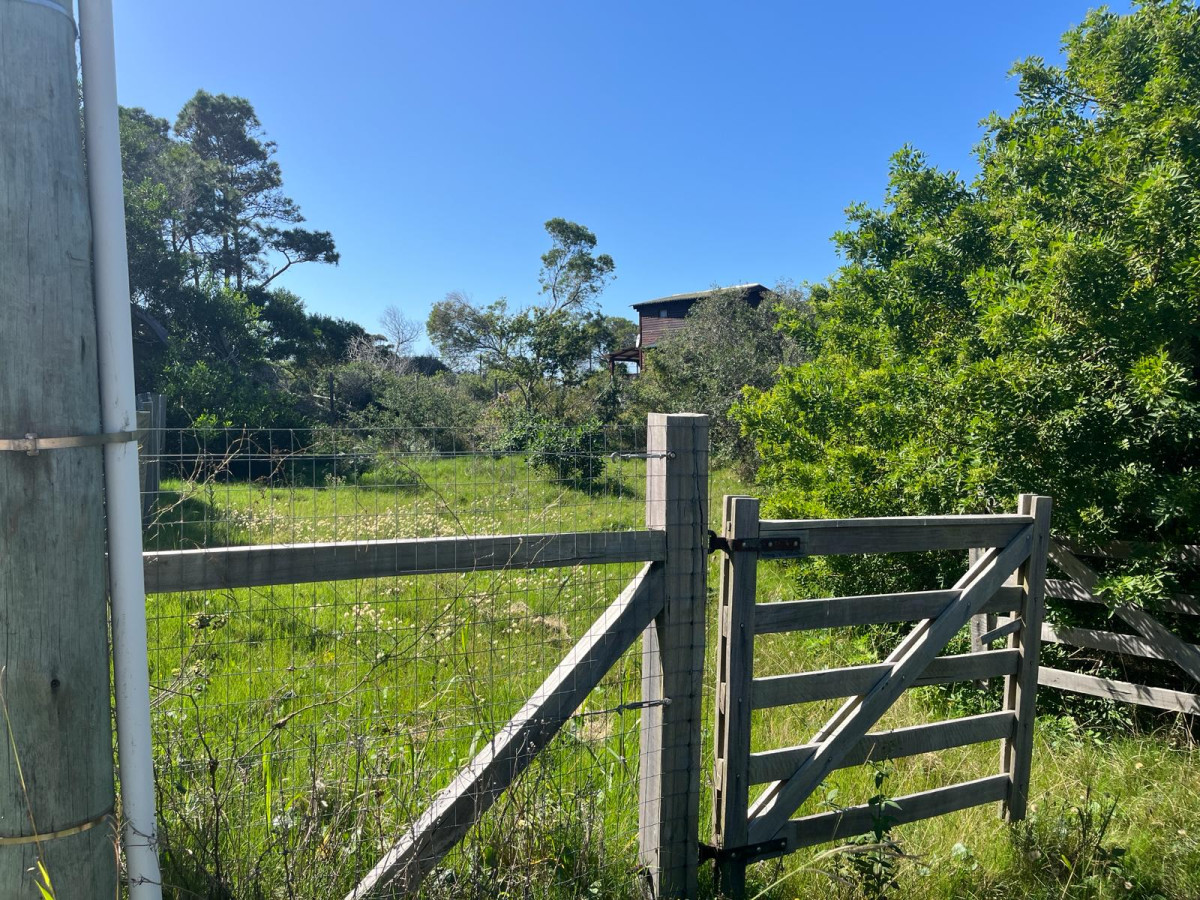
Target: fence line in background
{"type": "Point", "coordinates": [1151, 638]}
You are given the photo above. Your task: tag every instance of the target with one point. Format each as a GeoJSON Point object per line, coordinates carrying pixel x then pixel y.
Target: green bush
{"type": "Point", "coordinates": [1035, 330]}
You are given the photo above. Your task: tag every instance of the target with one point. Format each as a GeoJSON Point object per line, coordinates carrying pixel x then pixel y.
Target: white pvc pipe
{"type": "Point", "coordinates": [118, 406]}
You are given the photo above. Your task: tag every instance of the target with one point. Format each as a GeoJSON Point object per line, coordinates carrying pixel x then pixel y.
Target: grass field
{"type": "Point", "coordinates": [300, 728]}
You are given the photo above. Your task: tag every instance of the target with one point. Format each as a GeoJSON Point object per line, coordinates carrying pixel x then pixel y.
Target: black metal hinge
{"type": "Point", "coordinates": [746, 853]}
{"type": "Point", "coordinates": [755, 545]}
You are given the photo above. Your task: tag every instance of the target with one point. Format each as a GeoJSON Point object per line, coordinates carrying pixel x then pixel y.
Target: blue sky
{"type": "Point", "coordinates": [703, 143]}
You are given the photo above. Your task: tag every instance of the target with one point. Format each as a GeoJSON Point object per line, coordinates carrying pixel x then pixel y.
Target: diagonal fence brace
{"type": "Point", "coordinates": [510, 752]}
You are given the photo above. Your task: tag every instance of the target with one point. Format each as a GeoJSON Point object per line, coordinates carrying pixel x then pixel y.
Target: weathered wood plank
{"type": "Point", "coordinates": [476, 787]}
{"type": "Point", "coordinates": [1184, 655]}
{"type": "Point", "coordinates": [1106, 641]}
{"type": "Point", "coordinates": [870, 609]}
{"type": "Point", "coordinates": [673, 657]}
{"type": "Point", "coordinates": [900, 534]}
{"type": "Point", "coordinates": [1061, 589]}
{"type": "Point", "coordinates": [841, 824]}
{"type": "Point", "coordinates": [1004, 628]}
{"type": "Point", "coordinates": [829, 684]}
{"type": "Point", "coordinates": [173, 571]}
{"type": "Point", "coordinates": [876, 746]}
{"type": "Point", "coordinates": [735, 670]}
{"type": "Point", "coordinates": [1122, 691]}
{"type": "Point", "coordinates": [1173, 648]}
{"type": "Point", "coordinates": [772, 808]}
{"type": "Point", "coordinates": [1124, 550]}
{"type": "Point", "coordinates": [1020, 688]}
{"type": "Point", "coordinates": [1076, 569]}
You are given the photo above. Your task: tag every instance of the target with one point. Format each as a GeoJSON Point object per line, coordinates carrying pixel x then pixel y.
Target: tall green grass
{"type": "Point", "coordinates": [300, 729]}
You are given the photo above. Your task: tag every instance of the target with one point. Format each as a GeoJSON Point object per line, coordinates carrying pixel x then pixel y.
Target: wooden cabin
{"type": "Point", "coordinates": [657, 318]}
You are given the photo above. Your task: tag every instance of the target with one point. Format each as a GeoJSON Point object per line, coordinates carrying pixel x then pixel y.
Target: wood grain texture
{"type": "Point", "coordinates": [1122, 691]}
{"type": "Point", "coordinates": [829, 684]}
{"type": "Point", "coordinates": [877, 746]}
{"type": "Point", "coordinates": [914, 653]}
{"type": "Point", "coordinates": [476, 787]}
{"type": "Point", "coordinates": [236, 567]}
{"type": "Point", "coordinates": [1173, 648]}
{"type": "Point", "coordinates": [52, 578]}
{"type": "Point", "coordinates": [673, 656]}
{"type": "Point", "coordinates": [1106, 641]}
{"type": "Point", "coordinates": [836, 826]}
{"type": "Point", "coordinates": [868, 609]}
{"type": "Point", "coordinates": [1186, 553]}
{"type": "Point", "coordinates": [735, 671]}
{"type": "Point", "coordinates": [1061, 589]}
{"type": "Point", "coordinates": [1020, 688]}
{"type": "Point", "coordinates": [900, 534]}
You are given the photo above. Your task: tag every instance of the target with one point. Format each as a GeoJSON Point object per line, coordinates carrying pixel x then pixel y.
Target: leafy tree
{"type": "Point", "coordinates": [544, 350]}
{"type": "Point", "coordinates": [242, 212]}
{"type": "Point", "coordinates": [572, 276]}
{"type": "Point", "coordinates": [1035, 330]}
{"type": "Point", "coordinates": [723, 346]}
{"type": "Point", "coordinates": [209, 230]}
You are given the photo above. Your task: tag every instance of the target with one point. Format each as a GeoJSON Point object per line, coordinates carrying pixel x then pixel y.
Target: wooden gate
{"type": "Point", "coordinates": [746, 831]}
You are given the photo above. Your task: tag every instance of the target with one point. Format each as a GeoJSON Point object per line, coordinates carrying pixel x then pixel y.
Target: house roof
{"type": "Point", "coordinates": [751, 288]}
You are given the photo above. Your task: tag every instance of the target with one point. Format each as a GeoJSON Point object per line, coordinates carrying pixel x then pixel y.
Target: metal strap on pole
{"type": "Point", "coordinates": [32, 444]}
{"type": "Point", "coordinates": [39, 837]}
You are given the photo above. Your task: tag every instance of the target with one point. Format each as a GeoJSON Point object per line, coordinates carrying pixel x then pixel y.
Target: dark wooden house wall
{"type": "Point", "coordinates": [654, 326]}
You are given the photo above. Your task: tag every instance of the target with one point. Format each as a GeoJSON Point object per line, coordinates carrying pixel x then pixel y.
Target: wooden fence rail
{"type": "Point", "coordinates": [220, 568]}
{"type": "Point", "coordinates": [664, 606]}
{"type": "Point", "coordinates": [1151, 639]}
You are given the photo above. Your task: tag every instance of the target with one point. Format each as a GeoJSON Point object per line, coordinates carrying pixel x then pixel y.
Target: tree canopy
{"type": "Point", "coordinates": [1036, 329]}
{"type": "Point", "coordinates": [541, 350]}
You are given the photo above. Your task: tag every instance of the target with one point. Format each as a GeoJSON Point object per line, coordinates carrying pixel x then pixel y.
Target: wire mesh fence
{"type": "Point", "coordinates": [300, 728]}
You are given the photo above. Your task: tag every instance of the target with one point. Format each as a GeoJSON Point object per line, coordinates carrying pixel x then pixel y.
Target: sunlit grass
{"type": "Point", "coordinates": [299, 729]}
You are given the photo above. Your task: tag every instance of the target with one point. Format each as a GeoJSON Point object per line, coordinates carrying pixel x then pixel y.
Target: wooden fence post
{"type": "Point", "coordinates": [54, 657]}
{"type": "Point", "coordinates": [673, 656]}
{"type": "Point", "coordinates": [735, 656]}
{"type": "Point", "coordinates": [1020, 690]}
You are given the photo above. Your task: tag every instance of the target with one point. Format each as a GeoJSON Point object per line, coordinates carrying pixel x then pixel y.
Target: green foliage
{"type": "Point", "coordinates": [723, 346]}
{"type": "Point", "coordinates": [209, 228]}
{"type": "Point", "coordinates": [419, 412]}
{"type": "Point", "coordinates": [572, 276]}
{"type": "Point", "coordinates": [1070, 843]}
{"type": "Point", "coordinates": [870, 861]}
{"type": "Point", "coordinates": [572, 453]}
{"type": "Point", "coordinates": [1035, 330]}
{"type": "Point", "coordinates": [542, 352]}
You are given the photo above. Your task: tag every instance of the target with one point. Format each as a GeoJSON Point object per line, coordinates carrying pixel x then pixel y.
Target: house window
{"type": "Point", "coordinates": [662, 313]}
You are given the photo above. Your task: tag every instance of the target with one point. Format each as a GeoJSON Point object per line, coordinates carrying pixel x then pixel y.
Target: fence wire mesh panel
{"type": "Point", "coordinates": [300, 728]}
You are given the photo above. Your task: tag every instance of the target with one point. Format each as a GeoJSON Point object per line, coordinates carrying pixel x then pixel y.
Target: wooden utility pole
{"type": "Point", "coordinates": [56, 805]}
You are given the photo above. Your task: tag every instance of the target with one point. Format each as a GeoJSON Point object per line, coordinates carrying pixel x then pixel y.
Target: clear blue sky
{"type": "Point", "coordinates": [703, 143]}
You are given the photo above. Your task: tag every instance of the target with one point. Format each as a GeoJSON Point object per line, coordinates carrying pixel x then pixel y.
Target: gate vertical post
{"type": "Point", "coordinates": [673, 656]}
{"type": "Point", "coordinates": [735, 671]}
{"type": "Point", "coordinates": [1020, 690]}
